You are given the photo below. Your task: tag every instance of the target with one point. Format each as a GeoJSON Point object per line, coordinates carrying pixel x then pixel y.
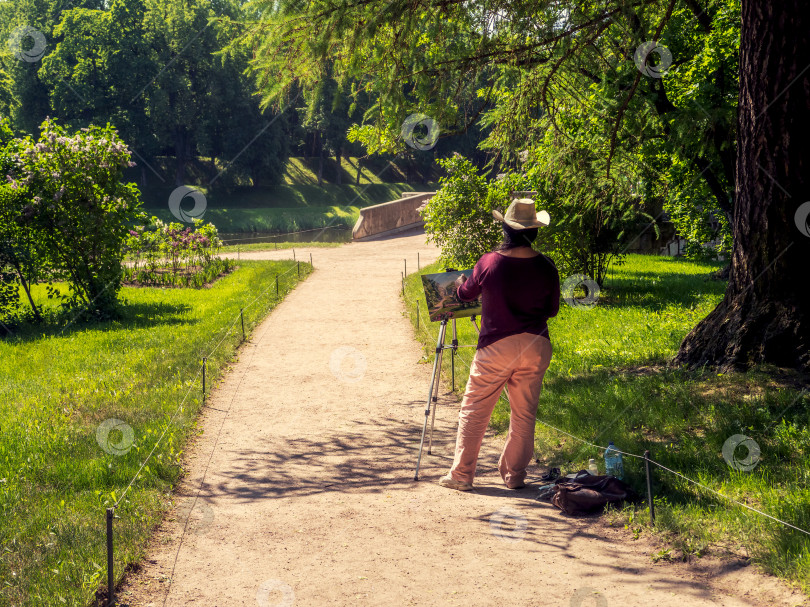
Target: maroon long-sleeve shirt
{"type": "Point", "coordinates": [519, 294]}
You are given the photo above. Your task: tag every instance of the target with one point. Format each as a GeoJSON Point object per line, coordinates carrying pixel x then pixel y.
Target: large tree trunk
{"type": "Point", "coordinates": [765, 314]}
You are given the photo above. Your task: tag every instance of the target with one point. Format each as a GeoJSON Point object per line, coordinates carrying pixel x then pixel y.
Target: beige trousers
{"type": "Point", "coordinates": [520, 362]}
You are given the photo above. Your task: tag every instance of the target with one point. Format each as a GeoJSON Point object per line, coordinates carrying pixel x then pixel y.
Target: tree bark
{"type": "Point", "coordinates": [339, 174]}
{"type": "Point", "coordinates": [320, 165]}
{"type": "Point", "coordinates": [26, 288]}
{"type": "Point", "coordinates": [180, 156]}
{"type": "Point", "coordinates": [765, 314]}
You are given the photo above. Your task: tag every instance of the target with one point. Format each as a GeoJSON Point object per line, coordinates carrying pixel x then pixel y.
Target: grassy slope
{"type": "Point", "coordinates": [299, 203]}
{"type": "Point", "coordinates": [609, 380]}
{"type": "Point", "coordinates": [55, 480]}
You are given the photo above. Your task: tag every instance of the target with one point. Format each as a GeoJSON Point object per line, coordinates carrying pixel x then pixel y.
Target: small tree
{"type": "Point", "coordinates": [78, 209]}
{"type": "Point", "coordinates": [593, 218]}
{"type": "Point", "coordinates": [458, 219]}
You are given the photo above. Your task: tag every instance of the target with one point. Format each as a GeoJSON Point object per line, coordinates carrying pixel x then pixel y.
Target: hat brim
{"type": "Point", "coordinates": [541, 221]}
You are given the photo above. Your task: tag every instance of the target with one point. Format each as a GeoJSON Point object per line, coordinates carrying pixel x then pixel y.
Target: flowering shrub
{"type": "Point", "coordinates": [76, 208]}
{"type": "Point", "coordinates": [174, 255]}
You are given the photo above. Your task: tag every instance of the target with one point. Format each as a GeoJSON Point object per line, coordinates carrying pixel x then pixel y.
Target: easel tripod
{"type": "Point", "coordinates": [433, 395]}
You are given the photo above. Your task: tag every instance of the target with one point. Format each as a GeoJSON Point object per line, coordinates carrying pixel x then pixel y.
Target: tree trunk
{"type": "Point", "coordinates": [320, 166]}
{"type": "Point", "coordinates": [765, 314]}
{"type": "Point", "coordinates": [180, 156]}
{"type": "Point", "coordinates": [339, 174]}
{"type": "Point", "coordinates": [359, 169]}
{"type": "Point", "coordinates": [26, 288]}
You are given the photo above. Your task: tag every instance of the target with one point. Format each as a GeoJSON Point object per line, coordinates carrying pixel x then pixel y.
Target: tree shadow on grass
{"type": "Point", "coordinates": [130, 316]}
{"type": "Point", "coordinates": [653, 290]}
{"type": "Point", "coordinates": [684, 419]}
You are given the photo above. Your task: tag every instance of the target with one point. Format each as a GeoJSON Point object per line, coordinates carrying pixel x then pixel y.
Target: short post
{"type": "Point", "coordinates": [276, 284]}
{"type": "Point", "coordinates": [417, 314]}
{"type": "Point", "coordinates": [110, 569]}
{"type": "Point", "coordinates": [242, 318]}
{"type": "Point", "coordinates": [203, 374]}
{"type": "Point", "coordinates": [403, 283]}
{"type": "Point", "coordinates": [649, 486]}
{"type": "Point", "coordinates": [310, 259]}
{"type": "Point", "coordinates": [293, 254]}
{"type": "Point", "coordinates": [406, 266]}
{"type": "Point", "coordinates": [418, 263]}
{"type": "Point", "coordinates": [299, 269]}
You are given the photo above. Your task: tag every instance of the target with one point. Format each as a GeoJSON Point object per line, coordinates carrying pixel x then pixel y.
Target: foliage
{"type": "Point", "coordinates": [517, 69]}
{"type": "Point", "coordinates": [593, 219]}
{"type": "Point", "coordinates": [174, 255]}
{"type": "Point", "coordinates": [458, 219]}
{"type": "Point", "coordinates": [156, 71]}
{"type": "Point", "coordinates": [21, 256]}
{"type": "Point", "coordinates": [78, 209]}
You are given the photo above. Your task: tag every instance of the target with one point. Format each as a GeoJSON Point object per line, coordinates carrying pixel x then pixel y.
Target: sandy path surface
{"type": "Point", "coordinates": [300, 490]}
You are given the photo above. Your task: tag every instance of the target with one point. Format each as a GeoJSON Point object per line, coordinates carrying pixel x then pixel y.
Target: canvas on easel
{"type": "Point", "coordinates": [442, 301]}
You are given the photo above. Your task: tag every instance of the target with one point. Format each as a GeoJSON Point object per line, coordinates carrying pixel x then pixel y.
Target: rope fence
{"type": "Point", "coordinates": [422, 327]}
{"type": "Point", "coordinates": [110, 512]}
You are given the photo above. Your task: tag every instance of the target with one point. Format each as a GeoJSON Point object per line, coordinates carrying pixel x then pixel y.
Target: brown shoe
{"type": "Point", "coordinates": [451, 483]}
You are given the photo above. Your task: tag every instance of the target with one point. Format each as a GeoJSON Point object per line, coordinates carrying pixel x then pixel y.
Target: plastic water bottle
{"type": "Point", "coordinates": [592, 467]}
{"type": "Point", "coordinates": [613, 462]}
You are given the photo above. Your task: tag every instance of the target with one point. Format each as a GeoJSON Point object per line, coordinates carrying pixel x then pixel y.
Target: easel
{"type": "Point", "coordinates": [433, 395]}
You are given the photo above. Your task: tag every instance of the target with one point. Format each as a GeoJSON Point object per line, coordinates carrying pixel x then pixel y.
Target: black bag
{"type": "Point", "coordinates": [589, 493]}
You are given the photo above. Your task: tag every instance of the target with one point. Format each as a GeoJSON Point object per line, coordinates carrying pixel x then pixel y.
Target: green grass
{"type": "Point", "coordinates": [60, 385]}
{"type": "Point", "coordinates": [275, 246]}
{"type": "Point", "coordinates": [303, 171]}
{"type": "Point", "coordinates": [610, 379]}
{"type": "Point", "coordinates": [281, 221]}
{"type": "Point", "coordinates": [289, 196]}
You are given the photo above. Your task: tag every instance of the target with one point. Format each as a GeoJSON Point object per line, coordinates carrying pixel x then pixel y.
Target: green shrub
{"type": "Point", "coordinates": [458, 219]}
{"type": "Point", "coordinates": [592, 220]}
{"type": "Point", "coordinates": [77, 209]}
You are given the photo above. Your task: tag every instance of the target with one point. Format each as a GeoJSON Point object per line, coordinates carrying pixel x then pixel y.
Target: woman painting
{"type": "Point", "coordinates": [520, 290]}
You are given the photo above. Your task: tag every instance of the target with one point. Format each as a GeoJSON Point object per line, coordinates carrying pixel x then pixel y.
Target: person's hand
{"type": "Point", "coordinates": [461, 280]}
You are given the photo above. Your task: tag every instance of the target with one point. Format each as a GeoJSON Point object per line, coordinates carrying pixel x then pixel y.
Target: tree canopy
{"type": "Point", "coordinates": [647, 90]}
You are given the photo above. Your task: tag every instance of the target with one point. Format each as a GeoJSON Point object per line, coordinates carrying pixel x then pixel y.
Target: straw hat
{"type": "Point", "coordinates": [521, 215]}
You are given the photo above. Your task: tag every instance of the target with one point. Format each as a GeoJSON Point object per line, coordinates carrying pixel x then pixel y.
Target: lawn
{"type": "Point", "coordinates": [58, 388]}
{"type": "Point", "coordinates": [610, 379]}
{"type": "Point", "coordinates": [247, 245]}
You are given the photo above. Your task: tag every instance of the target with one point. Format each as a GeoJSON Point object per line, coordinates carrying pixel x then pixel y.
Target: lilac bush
{"type": "Point", "coordinates": [78, 208]}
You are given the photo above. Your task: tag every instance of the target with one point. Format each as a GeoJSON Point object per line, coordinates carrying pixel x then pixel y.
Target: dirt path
{"type": "Point", "coordinates": [302, 483]}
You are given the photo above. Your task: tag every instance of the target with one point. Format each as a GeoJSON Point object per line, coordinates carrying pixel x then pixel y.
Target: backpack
{"type": "Point", "coordinates": [589, 493]}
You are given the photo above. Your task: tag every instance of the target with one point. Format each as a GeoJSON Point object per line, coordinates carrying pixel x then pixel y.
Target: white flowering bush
{"type": "Point", "coordinates": [77, 208]}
